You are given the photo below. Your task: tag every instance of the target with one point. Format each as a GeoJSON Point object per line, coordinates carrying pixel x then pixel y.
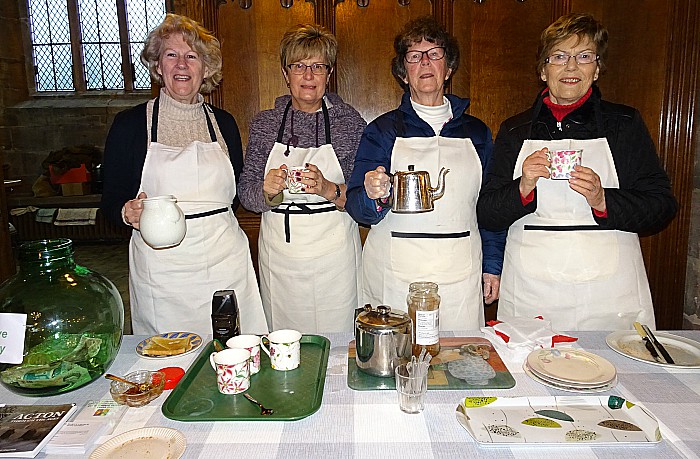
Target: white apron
{"type": "Point", "coordinates": [308, 252]}
{"type": "Point", "coordinates": [442, 246]}
{"type": "Point", "coordinates": [171, 289]}
{"type": "Point", "coordinates": [560, 265]}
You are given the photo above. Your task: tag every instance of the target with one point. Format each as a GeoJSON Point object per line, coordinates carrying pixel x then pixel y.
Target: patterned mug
{"type": "Point", "coordinates": [232, 370]}
{"type": "Point", "coordinates": [294, 183]}
{"type": "Point", "coordinates": [563, 163]}
{"type": "Point", "coordinates": [251, 343]}
{"type": "Point", "coordinates": [284, 349]}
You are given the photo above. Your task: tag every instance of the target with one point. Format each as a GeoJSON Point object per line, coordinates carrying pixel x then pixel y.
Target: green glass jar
{"type": "Point", "coordinates": [74, 320]}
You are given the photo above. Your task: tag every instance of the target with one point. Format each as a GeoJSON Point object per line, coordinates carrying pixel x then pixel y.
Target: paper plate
{"type": "Point", "coordinates": [570, 387]}
{"type": "Point", "coordinates": [685, 352]}
{"type": "Point", "coordinates": [195, 342]}
{"type": "Point", "coordinates": [569, 365]}
{"type": "Point", "coordinates": [144, 443]}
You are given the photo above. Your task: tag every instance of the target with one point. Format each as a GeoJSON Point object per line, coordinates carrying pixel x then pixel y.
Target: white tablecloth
{"type": "Point", "coordinates": [369, 424]}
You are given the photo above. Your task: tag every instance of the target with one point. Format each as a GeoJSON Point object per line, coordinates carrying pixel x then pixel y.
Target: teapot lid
{"type": "Point", "coordinates": [382, 317]}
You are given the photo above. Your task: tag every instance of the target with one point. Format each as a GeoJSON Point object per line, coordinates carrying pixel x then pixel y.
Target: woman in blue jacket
{"type": "Point", "coordinates": [429, 131]}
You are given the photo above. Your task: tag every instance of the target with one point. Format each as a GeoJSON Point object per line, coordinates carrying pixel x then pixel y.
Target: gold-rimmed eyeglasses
{"type": "Point", "coordinates": [434, 54]}
{"type": "Point", "coordinates": [299, 68]}
{"type": "Point", "coordinates": [582, 58]}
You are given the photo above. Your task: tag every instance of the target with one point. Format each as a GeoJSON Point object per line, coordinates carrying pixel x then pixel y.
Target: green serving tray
{"type": "Point", "coordinates": [293, 394]}
{"type": "Point", "coordinates": [439, 375]}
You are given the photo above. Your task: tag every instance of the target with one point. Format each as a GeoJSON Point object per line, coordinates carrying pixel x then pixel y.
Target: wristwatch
{"type": "Point", "coordinates": [337, 193]}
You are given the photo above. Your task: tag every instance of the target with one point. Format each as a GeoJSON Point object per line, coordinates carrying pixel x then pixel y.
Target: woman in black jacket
{"type": "Point", "coordinates": [572, 253]}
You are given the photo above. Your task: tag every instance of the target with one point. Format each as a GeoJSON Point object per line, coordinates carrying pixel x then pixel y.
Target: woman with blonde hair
{"type": "Point", "coordinates": [178, 145]}
{"type": "Point", "coordinates": [309, 249]}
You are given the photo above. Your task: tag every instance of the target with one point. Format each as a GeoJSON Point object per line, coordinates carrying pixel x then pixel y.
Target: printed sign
{"type": "Point", "coordinates": [12, 329]}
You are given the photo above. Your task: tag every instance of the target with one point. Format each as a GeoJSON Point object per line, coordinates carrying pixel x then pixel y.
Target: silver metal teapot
{"type": "Point", "coordinates": [382, 340]}
{"type": "Point", "coordinates": [413, 193]}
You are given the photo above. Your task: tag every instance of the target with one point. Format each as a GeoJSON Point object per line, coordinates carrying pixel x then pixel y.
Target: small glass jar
{"type": "Point", "coordinates": [424, 309]}
{"type": "Point", "coordinates": [74, 320]}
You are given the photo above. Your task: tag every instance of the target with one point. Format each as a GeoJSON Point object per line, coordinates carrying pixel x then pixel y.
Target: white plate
{"type": "Point", "coordinates": [570, 365]}
{"type": "Point", "coordinates": [685, 352]}
{"type": "Point", "coordinates": [575, 420]}
{"type": "Point", "coordinates": [570, 388]}
{"type": "Point", "coordinates": [195, 342]}
{"type": "Point", "coordinates": [144, 443]}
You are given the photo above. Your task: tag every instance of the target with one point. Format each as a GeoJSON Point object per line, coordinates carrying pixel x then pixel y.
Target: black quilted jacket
{"type": "Point", "coordinates": [644, 202]}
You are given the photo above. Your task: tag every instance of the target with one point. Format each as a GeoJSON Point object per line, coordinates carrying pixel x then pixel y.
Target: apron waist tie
{"type": "Point", "coordinates": [207, 213]}
{"type": "Point", "coordinates": [301, 209]}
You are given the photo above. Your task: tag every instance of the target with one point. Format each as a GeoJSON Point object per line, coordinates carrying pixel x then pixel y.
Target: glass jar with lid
{"type": "Point", "coordinates": [424, 309]}
{"type": "Point", "coordinates": [74, 321]}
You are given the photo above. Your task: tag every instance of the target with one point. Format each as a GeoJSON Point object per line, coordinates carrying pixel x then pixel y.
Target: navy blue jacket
{"type": "Point", "coordinates": [376, 148]}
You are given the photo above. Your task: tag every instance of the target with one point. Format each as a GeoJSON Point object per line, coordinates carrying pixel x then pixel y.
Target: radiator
{"type": "Point", "coordinates": [28, 229]}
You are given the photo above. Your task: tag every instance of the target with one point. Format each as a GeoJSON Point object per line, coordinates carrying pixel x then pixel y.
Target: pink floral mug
{"type": "Point", "coordinates": [251, 343]}
{"type": "Point", "coordinates": [232, 370]}
{"type": "Point", "coordinates": [563, 163]}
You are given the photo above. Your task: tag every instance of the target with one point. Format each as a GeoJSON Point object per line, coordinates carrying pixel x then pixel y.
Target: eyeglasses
{"type": "Point", "coordinates": [434, 54]}
{"type": "Point", "coordinates": [582, 58]}
{"type": "Point", "coordinates": [299, 68]}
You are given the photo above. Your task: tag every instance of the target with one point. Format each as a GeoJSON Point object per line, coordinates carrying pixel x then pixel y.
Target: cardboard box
{"type": "Point", "coordinates": [75, 189]}
{"type": "Point", "coordinates": [74, 175]}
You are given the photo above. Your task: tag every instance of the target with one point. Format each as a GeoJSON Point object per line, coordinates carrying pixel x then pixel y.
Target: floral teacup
{"type": "Point", "coordinates": [563, 163]}
{"type": "Point", "coordinates": [232, 370]}
{"type": "Point", "coordinates": [284, 349]}
{"type": "Point", "coordinates": [251, 343]}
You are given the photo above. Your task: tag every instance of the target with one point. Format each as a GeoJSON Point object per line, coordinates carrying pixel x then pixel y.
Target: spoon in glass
{"type": "Point", "coordinates": [142, 387]}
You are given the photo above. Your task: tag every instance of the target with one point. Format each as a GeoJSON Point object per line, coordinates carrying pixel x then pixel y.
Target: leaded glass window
{"type": "Point", "coordinates": [103, 38]}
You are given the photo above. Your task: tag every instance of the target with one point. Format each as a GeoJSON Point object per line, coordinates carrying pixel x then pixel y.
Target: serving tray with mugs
{"type": "Point", "coordinates": [293, 394]}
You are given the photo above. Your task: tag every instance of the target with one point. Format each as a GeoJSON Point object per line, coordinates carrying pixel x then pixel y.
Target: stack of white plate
{"type": "Point", "coordinates": [571, 370]}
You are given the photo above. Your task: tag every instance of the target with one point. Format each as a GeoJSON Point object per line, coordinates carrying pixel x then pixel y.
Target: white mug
{"type": "Point", "coordinates": [251, 343]}
{"type": "Point", "coordinates": [284, 349]}
{"type": "Point", "coordinates": [232, 370]}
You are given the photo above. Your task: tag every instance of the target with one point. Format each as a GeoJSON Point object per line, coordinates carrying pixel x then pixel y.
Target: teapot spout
{"type": "Point", "coordinates": [437, 192]}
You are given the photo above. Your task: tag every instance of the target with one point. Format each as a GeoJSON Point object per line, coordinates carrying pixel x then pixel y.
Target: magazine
{"type": "Point", "coordinates": [95, 419]}
{"type": "Point", "coordinates": [25, 429]}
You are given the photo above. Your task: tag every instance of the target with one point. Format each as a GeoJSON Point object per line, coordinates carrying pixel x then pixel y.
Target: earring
{"type": "Point", "coordinates": [287, 83]}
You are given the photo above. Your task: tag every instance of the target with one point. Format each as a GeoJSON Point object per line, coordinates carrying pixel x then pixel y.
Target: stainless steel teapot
{"type": "Point", "coordinates": [413, 193]}
{"type": "Point", "coordinates": [382, 340]}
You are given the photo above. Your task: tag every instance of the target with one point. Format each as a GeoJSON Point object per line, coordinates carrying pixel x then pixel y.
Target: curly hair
{"type": "Point", "coordinates": [307, 40]}
{"type": "Point", "coordinates": [583, 25]}
{"type": "Point", "coordinates": [428, 29]}
{"type": "Point", "coordinates": [196, 36]}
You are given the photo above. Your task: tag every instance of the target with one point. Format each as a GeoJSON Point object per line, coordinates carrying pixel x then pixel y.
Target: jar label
{"type": "Point", "coordinates": [12, 329]}
{"type": "Point", "coordinates": [427, 327]}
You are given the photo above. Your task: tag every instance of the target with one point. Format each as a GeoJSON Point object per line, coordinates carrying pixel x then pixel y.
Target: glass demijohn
{"type": "Point", "coordinates": [74, 320]}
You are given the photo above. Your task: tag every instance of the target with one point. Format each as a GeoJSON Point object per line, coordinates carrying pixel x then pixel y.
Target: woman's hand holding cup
{"type": "Point", "coordinates": [131, 212]}
{"type": "Point", "coordinates": [535, 166]}
{"type": "Point", "coordinates": [377, 183]}
{"type": "Point", "coordinates": [275, 181]}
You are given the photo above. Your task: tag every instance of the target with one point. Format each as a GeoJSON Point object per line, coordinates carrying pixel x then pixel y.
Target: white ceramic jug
{"type": "Point", "coordinates": [162, 222]}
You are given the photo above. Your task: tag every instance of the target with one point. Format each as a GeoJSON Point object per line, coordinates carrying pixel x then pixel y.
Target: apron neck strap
{"type": "Point", "coordinates": [326, 121]}
{"type": "Point", "coordinates": [154, 122]}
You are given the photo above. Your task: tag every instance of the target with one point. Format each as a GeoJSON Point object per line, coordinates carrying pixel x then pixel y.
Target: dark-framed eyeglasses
{"type": "Point", "coordinates": [434, 54]}
{"type": "Point", "coordinates": [317, 68]}
{"type": "Point", "coordinates": [582, 58]}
